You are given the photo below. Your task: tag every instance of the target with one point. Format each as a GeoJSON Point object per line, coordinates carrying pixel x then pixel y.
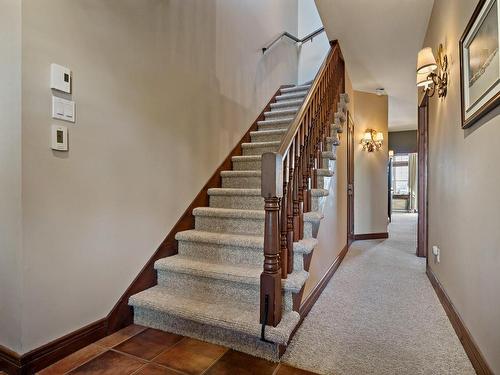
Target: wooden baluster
{"type": "Point", "coordinates": [301, 183]}
{"type": "Point", "coordinates": [296, 201]}
{"type": "Point", "coordinates": [270, 279]}
{"type": "Point", "coordinates": [284, 223]}
{"type": "Point", "coordinates": [289, 207]}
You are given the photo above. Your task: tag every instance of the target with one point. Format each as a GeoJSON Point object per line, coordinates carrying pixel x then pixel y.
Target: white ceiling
{"type": "Point", "coordinates": [380, 40]}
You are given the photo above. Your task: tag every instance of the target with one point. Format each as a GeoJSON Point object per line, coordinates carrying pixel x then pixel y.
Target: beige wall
{"type": "Point", "coordinates": [332, 234]}
{"type": "Point", "coordinates": [464, 208]}
{"type": "Point", "coordinates": [370, 168]}
{"type": "Point", "coordinates": [10, 173]}
{"type": "Point", "coordinates": [163, 91]}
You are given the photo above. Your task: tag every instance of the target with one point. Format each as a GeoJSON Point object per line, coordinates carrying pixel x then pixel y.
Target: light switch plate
{"type": "Point", "coordinates": [63, 109]}
{"type": "Point", "coordinates": [60, 78]}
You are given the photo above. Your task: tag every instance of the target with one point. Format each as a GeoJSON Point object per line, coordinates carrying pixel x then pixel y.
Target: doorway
{"type": "Point", "coordinates": [422, 148]}
{"type": "Point", "coordinates": [350, 179]}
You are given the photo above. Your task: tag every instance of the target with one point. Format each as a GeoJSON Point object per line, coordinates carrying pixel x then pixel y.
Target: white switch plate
{"type": "Point", "coordinates": [59, 138]}
{"type": "Point", "coordinates": [63, 109]}
{"type": "Point", "coordinates": [60, 78]}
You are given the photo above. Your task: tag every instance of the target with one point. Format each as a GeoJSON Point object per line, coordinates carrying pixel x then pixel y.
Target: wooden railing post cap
{"type": "Point", "coordinates": [272, 175]}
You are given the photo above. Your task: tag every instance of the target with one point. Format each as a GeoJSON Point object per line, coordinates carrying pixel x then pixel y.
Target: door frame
{"type": "Point", "coordinates": [423, 160]}
{"type": "Point", "coordinates": [350, 179]}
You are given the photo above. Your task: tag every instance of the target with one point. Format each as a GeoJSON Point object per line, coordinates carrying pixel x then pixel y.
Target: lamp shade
{"type": "Point", "coordinates": [424, 80]}
{"type": "Point", "coordinates": [367, 137]}
{"type": "Point", "coordinates": [426, 63]}
{"type": "Point", "coordinates": [379, 137]}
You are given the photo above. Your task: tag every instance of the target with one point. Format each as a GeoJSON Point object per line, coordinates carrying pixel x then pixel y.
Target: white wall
{"type": "Point", "coordinates": [370, 168]}
{"type": "Point", "coordinates": [164, 90]}
{"type": "Point", "coordinates": [10, 174]}
{"type": "Point", "coordinates": [312, 53]}
{"type": "Point", "coordinates": [464, 206]}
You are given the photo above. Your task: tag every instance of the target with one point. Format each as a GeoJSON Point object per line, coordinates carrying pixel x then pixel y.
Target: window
{"type": "Point", "coordinates": [400, 174]}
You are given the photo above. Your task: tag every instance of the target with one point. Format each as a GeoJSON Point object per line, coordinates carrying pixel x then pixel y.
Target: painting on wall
{"type": "Point", "coordinates": [480, 63]}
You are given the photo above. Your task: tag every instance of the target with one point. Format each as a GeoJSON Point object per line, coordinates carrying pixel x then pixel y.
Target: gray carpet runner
{"type": "Point", "coordinates": [210, 289]}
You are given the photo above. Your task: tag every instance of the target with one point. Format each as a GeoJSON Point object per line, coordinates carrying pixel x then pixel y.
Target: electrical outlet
{"type": "Point", "coordinates": [436, 251]}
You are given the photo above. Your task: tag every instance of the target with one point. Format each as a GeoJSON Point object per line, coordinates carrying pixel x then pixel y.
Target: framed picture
{"type": "Point", "coordinates": [480, 63]}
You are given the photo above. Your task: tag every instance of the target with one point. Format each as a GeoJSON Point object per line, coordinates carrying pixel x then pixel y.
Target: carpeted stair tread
{"type": "Point", "coordinates": [231, 239]}
{"type": "Point", "coordinates": [240, 174]}
{"type": "Point", "coordinates": [313, 216]}
{"type": "Point", "coordinates": [246, 274]}
{"type": "Point", "coordinates": [229, 213]}
{"type": "Point", "coordinates": [287, 103]}
{"type": "Point", "coordinates": [287, 90]}
{"type": "Point", "coordinates": [324, 172]}
{"type": "Point", "coordinates": [275, 122]}
{"type": "Point", "coordinates": [260, 144]}
{"type": "Point", "coordinates": [290, 96]}
{"type": "Point", "coordinates": [328, 155]}
{"type": "Point", "coordinates": [319, 192]}
{"type": "Point", "coordinates": [282, 113]}
{"type": "Point", "coordinates": [240, 317]}
{"type": "Point", "coordinates": [234, 191]}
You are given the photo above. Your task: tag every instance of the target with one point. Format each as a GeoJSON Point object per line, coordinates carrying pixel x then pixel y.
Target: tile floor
{"type": "Point", "coordinates": [145, 351]}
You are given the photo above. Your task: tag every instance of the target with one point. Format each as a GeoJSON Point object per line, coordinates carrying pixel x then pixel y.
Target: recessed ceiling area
{"type": "Point", "coordinates": [380, 40]}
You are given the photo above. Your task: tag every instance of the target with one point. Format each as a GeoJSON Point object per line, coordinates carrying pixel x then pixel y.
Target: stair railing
{"type": "Point", "coordinates": [286, 34]}
{"type": "Point", "coordinates": [289, 174]}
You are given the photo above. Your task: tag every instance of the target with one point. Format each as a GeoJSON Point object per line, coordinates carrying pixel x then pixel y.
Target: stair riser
{"type": "Point", "coordinates": [231, 254]}
{"type": "Point", "coordinates": [246, 165]}
{"type": "Point", "coordinates": [274, 126]}
{"type": "Point", "coordinates": [324, 182]}
{"type": "Point", "coordinates": [316, 203]}
{"type": "Point", "coordinates": [241, 202]}
{"type": "Point", "coordinates": [282, 104]}
{"type": "Point", "coordinates": [278, 114]}
{"type": "Point", "coordinates": [239, 226]}
{"type": "Point", "coordinates": [266, 137]}
{"type": "Point", "coordinates": [259, 150]}
{"type": "Point", "coordinates": [241, 182]}
{"type": "Point", "coordinates": [217, 290]}
{"type": "Point", "coordinates": [229, 225]}
{"type": "Point", "coordinates": [297, 95]}
{"type": "Point", "coordinates": [238, 341]}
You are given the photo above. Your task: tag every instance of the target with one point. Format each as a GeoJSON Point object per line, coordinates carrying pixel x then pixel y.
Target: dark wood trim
{"type": "Point", "coordinates": [122, 315]}
{"type": "Point", "coordinates": [490, 104]}
{"type": "Point", "coordinates": [311, 299]}
{"type": "Point", "coordinates": [45, 355]}
{"type": "Point", "coordinates": [371, 236]}
{"type": "Point", "coordinates": [476, 357]}
{"type": "Point", "coordinates": [423, 162]}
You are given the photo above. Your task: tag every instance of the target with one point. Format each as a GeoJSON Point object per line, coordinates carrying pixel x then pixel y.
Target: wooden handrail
{"type": "Point", "coordinates": [289, 174]}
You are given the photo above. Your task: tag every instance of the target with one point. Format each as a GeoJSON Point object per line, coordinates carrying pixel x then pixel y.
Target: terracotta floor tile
{"type": "Point", "coordinates": [152, 369]}
{"type": "Point", "coordinates": [120, 336]}
{"type": "Point", "coordinates": [191, 356]}
{"type": "Point", "coordinates": [110, 363]}
{"type": "Point", "coordinates": [149, 343]}
{"type": "Point", "coordinates": [289, 370]}
{"type": "Point", "coordinates": [234, 362]}
{"type": "Point", "coordinates": [73, 360]}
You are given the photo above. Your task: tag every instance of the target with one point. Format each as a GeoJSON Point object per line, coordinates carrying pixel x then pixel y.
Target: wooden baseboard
{"type": "Point", "coordinates": [311, 299]}
{"type": "Point", "coordinates": [476, 357]}
{"type": "Point", "coordinates": [371, 236]}
{"type": "Point", "coordinates": [45, 355]}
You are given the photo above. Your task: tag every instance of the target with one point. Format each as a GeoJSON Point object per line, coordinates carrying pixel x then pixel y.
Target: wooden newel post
{"type": "Point", "coordinates": [270, 279]}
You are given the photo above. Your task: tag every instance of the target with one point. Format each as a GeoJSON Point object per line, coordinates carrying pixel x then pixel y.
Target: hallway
{"type": "Point", "coordinates": [379, 315]}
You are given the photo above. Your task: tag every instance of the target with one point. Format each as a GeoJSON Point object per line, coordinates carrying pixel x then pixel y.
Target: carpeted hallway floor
{"type": "Point", "coordinates": [379, 315]}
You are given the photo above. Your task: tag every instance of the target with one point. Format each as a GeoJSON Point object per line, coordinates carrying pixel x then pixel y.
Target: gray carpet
{"type": "Point", "coordinates": [379, 315]}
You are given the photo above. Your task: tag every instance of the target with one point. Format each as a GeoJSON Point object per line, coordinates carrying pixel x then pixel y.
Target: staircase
{"type": "Point", "coordinates": [211, 289]}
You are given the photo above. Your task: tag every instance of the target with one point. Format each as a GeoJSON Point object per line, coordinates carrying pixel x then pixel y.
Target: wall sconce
{"type": "Point", "coordinates": [426, 75]}
{"type": "Point", "coordinates": [372, 140]}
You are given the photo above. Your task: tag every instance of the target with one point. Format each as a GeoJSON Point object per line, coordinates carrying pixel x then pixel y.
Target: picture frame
{"type": "Point", "coordinates": [480, 63]}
